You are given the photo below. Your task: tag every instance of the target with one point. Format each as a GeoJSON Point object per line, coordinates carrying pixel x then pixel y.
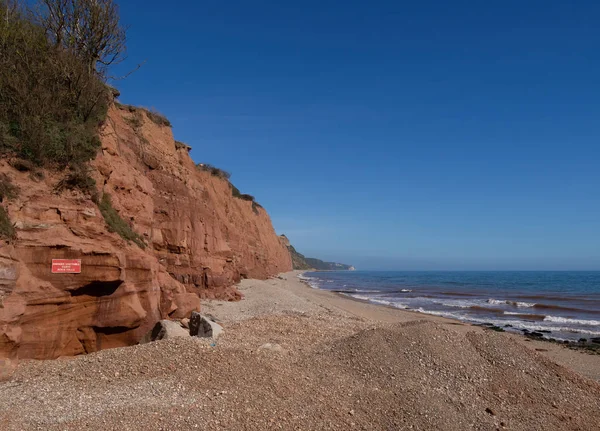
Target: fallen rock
{"type": "Point", "coordinates": [164, 329]}
{"type": "Point", "coordinates": [7, 368]}
{"type": "Point", "coordinates": [200, 326]}
{"type": "Point", "coordinates": [185, 323]}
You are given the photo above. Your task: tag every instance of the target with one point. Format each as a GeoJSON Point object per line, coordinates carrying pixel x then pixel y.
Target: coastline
{"type": "Point", "coordinates": [295, 357]}
{"type": "Point", "coordinates": [572, 356]}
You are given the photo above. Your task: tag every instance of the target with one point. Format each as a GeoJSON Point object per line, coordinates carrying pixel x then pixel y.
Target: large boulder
{"type": "Point", "coordinates": [164, 330]}
{"type": "Point", "coordinates": [201, 326]}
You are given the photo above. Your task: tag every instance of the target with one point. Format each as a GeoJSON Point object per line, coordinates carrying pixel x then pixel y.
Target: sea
{"type": "Point", "coordinates": [560, 305]}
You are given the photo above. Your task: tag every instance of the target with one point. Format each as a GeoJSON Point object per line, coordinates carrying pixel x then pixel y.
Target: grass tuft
{"type": "Point", "coordinates": [7, 189]}
{"type": "Point", "coordinates": [214, 171]}
{"type": "Point", "coordinates": [7, 230]}
{"type": "Point", "coordinates": [116, 224]}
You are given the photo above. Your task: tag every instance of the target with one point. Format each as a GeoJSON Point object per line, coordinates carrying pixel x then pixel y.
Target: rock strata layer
{"type": "Point", "coordinates": [200, 241]}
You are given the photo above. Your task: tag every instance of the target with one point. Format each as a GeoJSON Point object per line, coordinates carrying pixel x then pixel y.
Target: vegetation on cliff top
{"type": "Point", "coordinates": [53, 94]}
{"type": "Point", "coordinates": [224, 175]}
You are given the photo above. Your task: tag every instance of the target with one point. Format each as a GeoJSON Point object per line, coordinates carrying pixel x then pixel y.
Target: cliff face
{"type": "Point", "coordinates": [299, 261]}
{"type": "Point", "coordinates": [201, 240]}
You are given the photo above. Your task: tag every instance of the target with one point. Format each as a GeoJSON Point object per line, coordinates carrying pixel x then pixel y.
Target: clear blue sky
{"type": "Point", "coordinates": [390, 134]}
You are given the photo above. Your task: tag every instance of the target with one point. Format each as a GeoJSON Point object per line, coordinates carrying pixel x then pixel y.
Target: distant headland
{"type": "Point", "coordinates": [299, 261]}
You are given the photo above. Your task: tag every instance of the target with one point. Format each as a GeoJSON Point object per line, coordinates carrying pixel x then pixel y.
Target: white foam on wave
{"type": "Point", "coordinates": [496, 302]}
{"type": "Point", "coordinates": [311, 281]}
{"type": "Point", "coordinates": [440, 313]}
{"type": "Point", "coordinates": [558, 319]}
{"type": "Point", "coordinates": [405, 290]}
{"type": "Point", "coordinates": [520, 324]}
{"type": "Point", "coordinates": [379, 301]}
{"type": "Point", "coordinates": [493, 301]}
{"type": "Point", "coordinates": [457, 303]}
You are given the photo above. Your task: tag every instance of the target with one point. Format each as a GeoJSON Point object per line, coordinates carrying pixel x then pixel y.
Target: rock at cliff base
{"type": "Point", "coordinates": [164, 329]}
{"type": "Point", "coordinates": [7, 368]}
{"type": "Point", "coordinates": [185, 322]}
{"type": "Point", "coordinates": [201, 326]}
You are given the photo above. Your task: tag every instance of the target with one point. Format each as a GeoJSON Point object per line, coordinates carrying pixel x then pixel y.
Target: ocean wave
{"type": "Point", "coordinates": [351, 291]}
{"type": "Point", "coordinates": [560, 307]}
{"type": "Point", "coordinates": [447, 314]}
{"type": "Point", "coordinates": [525, 316]}
{"type": "Point", "coordinates": [481, 309]}
{"type": "Point", "coordinates": [513, 303]}
{"type": "Point", "coordinates": [395, 304]}
{"type": "Point", "coordinates": [558, 319]}
{"type": "Point", "coordinates": [311, 281]}
{"type": "Point", "coordinates": [458, 303]}
{"type": "Point", "coordinates": [530, 326]}
{"type": "Point", "coordinates": [458, 294]}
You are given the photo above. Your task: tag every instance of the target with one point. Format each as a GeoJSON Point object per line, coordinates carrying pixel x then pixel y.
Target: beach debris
{"type": "Point", "coordinates": [490, 411]}
{"type": "Point", "coordinates": [273, 347]}
{"type": "Point", "coordinates": [164, 329]}
{"type": "Point", "coordinates": [201, 326]}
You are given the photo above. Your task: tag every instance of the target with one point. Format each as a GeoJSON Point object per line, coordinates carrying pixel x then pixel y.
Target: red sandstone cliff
{"type": "Point", "coordinates": [201, 240]}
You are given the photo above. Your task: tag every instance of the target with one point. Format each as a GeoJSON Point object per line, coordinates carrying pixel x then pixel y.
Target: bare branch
{"type": "Point", "coordinates": [88, 28]}
{"type": "Point", "coordinates": [119, 78]}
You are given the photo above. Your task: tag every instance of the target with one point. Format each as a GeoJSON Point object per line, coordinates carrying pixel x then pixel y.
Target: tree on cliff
{"type": "Point", "coordinates": [90, 29]}
{"type": "Point", "coordinates": [52, 94]}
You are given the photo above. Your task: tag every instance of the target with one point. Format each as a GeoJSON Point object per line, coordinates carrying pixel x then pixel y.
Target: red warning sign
{"type": "Point", "coordinates": [66, 266]}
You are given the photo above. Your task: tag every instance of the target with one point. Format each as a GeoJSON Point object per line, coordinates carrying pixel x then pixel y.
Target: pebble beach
{"type": "Point", "coordinates": [297, 358]}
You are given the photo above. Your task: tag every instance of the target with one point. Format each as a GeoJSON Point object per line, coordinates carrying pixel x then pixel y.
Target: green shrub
{"type": "Point", "coordinates": [7, 230]}
{"type": "Point", "coordinates": [255, 207]}
{"type": "Point", "coordinates": [116, 224]}
{"type": "Point", "coordinates": [37, 175]}
{"type": "Point", "coordinates": [246, 197]}
{"type": "Point", "coordinates": [214, 171]}
{"type": "Point", "coordinates": [78, 178]}
{"type": "Point", "coordinates": [22, 165]}
{"type": "Point", "coordinates": [235, 192]}
{"type": "Point", "coordinates": [7, 189]}
{"type": "Point", "coordinates": [123, 107]}
{"type": "Point", "coordinates": [135, 121]}
{"type": "Point", "coordinates": [51, 103]}
{"type": "Point", "coordinates": [158, 118]}
{"type": "Point", "coordinates": [182, 146]}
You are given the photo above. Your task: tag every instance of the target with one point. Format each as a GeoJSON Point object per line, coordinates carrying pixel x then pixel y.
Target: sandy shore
{"type": "Point", "coordinates": [292, 357]}
{"type": "Point", "coordinates": [292, 294]}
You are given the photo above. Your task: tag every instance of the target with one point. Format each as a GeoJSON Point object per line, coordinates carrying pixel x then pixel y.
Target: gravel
{"type": "Point", "coordinates": [329, 370]}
